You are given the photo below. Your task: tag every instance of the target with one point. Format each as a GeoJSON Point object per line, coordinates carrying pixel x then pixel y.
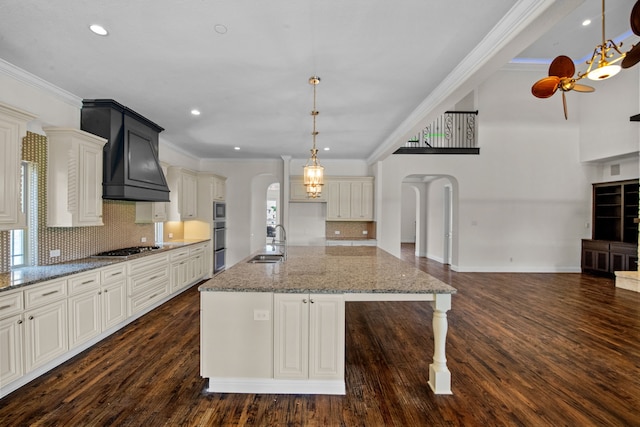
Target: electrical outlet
{"type": "Point", "coordinates": [171, 235]}
{"type": "Point", "coordinates": [54, 253]}
{"type": "Point", "coordinates": [365, 232]}
{"type": "Point", "coordinates": [337, 232]}
{"type": "Point", "coordinates": [143, 240]}
{"type": "Point", "coordinates": [260, 314]}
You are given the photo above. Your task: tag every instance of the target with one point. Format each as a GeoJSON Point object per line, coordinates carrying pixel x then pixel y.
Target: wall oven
{"type": "Point", "coordinates": [219, 211]}
{"type": "Point", "coordinates": [219, 245]}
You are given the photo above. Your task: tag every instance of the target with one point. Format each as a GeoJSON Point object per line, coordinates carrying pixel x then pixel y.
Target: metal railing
{"type": "Point", "coordinates": [454, 130]}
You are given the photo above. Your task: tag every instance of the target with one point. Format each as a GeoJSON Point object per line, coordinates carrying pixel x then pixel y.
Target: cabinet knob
{"type": "Point", "coordinates": [304, 300]}
{"type": "Point", "coordinates": [30, 317]}
{"type": "Point", "coordinates": [20, 322]}
{"type": "Point", "coordinates": [99, 293]}
{"type": "Point", "coordinates": [312, 301]}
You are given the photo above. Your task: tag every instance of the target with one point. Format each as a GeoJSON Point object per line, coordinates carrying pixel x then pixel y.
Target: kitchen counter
{"type": "Point", "coordinates": [266, 350]}
{"type": "Point", "coordinates": [329, 269]}
{"type": "Point", "coordinates": [26, 276]}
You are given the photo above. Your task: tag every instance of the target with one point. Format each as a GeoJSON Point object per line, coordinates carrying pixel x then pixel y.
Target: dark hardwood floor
{"type": "Point", "coordinates": [523, 350]}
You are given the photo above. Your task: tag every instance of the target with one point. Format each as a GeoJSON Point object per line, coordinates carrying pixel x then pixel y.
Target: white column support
{"type": "Point", "coordinates": [439, 374]}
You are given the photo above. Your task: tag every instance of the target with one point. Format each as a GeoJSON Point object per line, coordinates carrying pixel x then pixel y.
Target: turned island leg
{"type": "Point", "coordinates": [439, 375]}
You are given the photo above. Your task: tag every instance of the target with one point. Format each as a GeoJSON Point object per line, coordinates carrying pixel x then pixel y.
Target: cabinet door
{"type": "Point", "coordinates": [291, 336]}
{"type": "Point", "coordinates": [90, 184]}
{"type": "Point", "coordinates": [188, 195]}
{"type": "Point", "coordinates": [339, 200]}
{"type": "Point", "coordinates": [84, 317]}
{"type": "Point", "coordinates": [45, 334]}
{"type": "Point", "coordinates": [11, 356]}
{"type": "Point", "coordinates": [179, 274]}
{"type": "Point", "coordinates": [326, 337]}
{"type": "Point", "coordinates": [362, 201]}
{"type": "Point", "coordinates": [219, 189]}
{"type": "Point", "coordinates": [114, 304]}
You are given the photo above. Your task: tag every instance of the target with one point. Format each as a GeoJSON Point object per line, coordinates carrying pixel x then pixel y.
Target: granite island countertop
{"type": "Point", "coordinates": [25, 276]}
{"type": "Point", "coordinates": [329, 269]}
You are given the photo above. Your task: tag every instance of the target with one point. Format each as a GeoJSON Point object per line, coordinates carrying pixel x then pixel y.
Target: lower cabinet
{"type": "Point", "coordinates": [46, 335]}
{"type": "Point", "coordinates": [11, 348]}
{"type": "Point", "coordinates": [603, 256]}
{"type": "Point", "coordinates": [148, 283]}
{"type": "Point", "coordinates": [308, 336]}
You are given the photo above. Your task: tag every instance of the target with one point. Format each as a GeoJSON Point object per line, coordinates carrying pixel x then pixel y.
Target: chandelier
{"type": "Point", "coordinates": [313, 172]}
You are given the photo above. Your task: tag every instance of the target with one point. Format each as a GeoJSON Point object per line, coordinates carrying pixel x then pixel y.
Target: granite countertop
{"type": "Point", "coordinates": [26, 276]}
{"type": "Point", "coordinates": [328, 269]}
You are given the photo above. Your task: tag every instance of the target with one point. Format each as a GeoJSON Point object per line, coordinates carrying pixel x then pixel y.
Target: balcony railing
{"type": "Point", "coordinates": [452, 133]}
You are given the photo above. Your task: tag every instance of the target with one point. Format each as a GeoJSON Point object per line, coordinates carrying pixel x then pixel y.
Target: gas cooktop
{"type": "Point", "coordinates": [125, 252]}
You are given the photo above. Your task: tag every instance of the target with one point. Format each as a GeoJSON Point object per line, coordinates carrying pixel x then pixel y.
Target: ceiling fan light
{"type": "Point", "coordinates": [604, 72]}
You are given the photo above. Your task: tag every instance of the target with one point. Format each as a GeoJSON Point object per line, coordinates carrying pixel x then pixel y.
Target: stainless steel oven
{"type": "Point", "coordinates": [219, 245]}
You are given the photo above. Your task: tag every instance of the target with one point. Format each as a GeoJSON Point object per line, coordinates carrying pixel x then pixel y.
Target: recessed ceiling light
{"type": "Point", "coordinates": [236, 148]}
{"type": "Point", "coordinates": [586, 22]}
{"type": "Point", "coordinates": [98, 29]}
{"type": "Point", "coordinates": [195, 112]}
{"type": "Point", "coordinates": [220, 29]}
{"type": "Point", "coordinates": [327, 148]}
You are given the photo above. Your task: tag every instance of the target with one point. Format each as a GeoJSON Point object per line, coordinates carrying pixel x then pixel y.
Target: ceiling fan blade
{"type": "Point", "coordinates": [632, 57]}
{"type": "Point", "coordinates": [583, 88]}
{"type": "Point", "coordinates": [635, 18]}
{"type": "Point", "coordinates": [546, 87]}
{"type": "Point", "coordinates": [562, 66]}
{"type": "Point", "coordinates": [564, 106]}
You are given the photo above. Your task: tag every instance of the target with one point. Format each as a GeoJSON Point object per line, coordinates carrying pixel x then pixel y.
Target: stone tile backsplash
{"type": "Point", "coordinates": [350, 230]}
{"type": "Point", "coordinates": [119, 230]}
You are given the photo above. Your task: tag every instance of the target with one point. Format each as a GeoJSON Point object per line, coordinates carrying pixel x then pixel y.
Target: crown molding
{"type": "Point", "coordinates": [23, 76]}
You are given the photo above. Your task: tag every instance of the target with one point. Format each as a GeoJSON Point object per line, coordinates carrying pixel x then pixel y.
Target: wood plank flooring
{"type": "Point", "coordinates": [523, 350]}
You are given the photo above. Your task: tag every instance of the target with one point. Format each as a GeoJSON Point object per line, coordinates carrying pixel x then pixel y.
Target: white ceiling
{"type": "Point", "coordinates": [380, 61]}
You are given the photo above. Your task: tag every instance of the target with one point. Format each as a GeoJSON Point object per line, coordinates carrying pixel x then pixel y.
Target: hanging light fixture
{"type": "Point", "coordinates": [313, 172]}
{"type": "Point", "coordinates": [601, 57]}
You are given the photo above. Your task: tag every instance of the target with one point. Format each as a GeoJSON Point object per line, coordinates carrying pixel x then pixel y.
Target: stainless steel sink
{"type": "Point", "coordinates": [266, 259]}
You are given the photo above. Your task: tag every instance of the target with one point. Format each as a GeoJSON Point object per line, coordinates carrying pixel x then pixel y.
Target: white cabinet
{"type": "Point", "coordinates": [13, 127]}
{"type": "Point", "coordinates": [46, 333]}
{"type": "Point", "coordinates": [180, 264]}
{"type": "Point", "coordinates": [74, 178]}
{"type": "Point", "coordinates": [350, 199]}
{"type": "Point", "coordinates": [183, 185]}
{"type": "Point", "coordinates": [113, 297]}
{"type": "Point", "coordinates": [211, 188]}
{"type": "Point", "coordinates": [308, 336]}
{"type": "Point", "coordinates": [197, 263]}
{"type": "Point", "coordinates": [11, 336]}
{"type": "Point", "coordinates": [148, 282]}
{"type": "Point", "coordinates": [298, 192]}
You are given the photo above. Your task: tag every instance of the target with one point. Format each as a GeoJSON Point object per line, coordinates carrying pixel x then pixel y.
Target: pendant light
{"type": "Point", "coordinates": [313, 172]}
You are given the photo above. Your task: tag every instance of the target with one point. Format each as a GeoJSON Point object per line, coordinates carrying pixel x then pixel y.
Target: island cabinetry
{"type": "Point", "coordinates": [350, 199]}
{"type": "Point", "coordinates": [309, 336]}
{"type": "Point", "coordinates": [183, 184]}
{"type": "Point", "coordinates": [11, 336]}
{"type": "Point", "coordinates": [13, 127]}
{"type": "Point", "coordinates": [148, 282]}
{"type": "Point", "coordinates": [74, 178]}
{"type": "Point", "coordinates": [46, 331]}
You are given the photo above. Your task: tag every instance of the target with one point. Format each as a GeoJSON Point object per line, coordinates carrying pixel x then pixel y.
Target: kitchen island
{"type": "Point", "coordinates": [280, 327]}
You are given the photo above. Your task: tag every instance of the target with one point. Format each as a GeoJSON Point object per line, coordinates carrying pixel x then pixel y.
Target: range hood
{"type": "Point", "coordinates": [131, 167]}
{"type": "Point", "coordinates": [635, 118]}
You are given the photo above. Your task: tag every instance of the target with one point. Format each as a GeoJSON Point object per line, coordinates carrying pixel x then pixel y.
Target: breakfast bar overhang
{"type": "Point", "coordinates": [279, 327]}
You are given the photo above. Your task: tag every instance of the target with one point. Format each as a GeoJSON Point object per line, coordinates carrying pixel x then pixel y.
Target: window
{"type": "Point", "coordinates": [21, 255]}
{"type": "Point", "coordinates": [159, 232]}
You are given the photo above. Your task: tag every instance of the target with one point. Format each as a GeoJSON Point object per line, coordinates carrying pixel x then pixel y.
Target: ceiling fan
{"type": "Point", "coordinates": [562, 69]}
{"type": "Point", "coordinates": [561, 73]}
{"type": "Point", "coordinates": [633, 56]}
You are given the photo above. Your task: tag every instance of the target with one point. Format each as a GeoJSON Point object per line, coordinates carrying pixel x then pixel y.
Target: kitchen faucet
{"type": "Point", "coordinates": [284, 236]}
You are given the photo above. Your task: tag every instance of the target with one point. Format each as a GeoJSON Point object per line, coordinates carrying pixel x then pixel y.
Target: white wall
{"type": "Point", "coordinates": [435, 219]}
{"type": "Point", "coordinates": [408, 220]}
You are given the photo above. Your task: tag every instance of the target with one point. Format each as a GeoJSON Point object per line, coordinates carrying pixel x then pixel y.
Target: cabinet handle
{"type": "Point", "coordinates": [115, 274]}
{"type": "Point", "coordinates": [312, 301]}
{"type": "Point", "coordinates": [30, 317]}
{"type": "Point", "coordinates": [4, 307]}
{"type": "Point", "coordinates": [154, 277]}
{"type": "Point", "coordinates": [20, 322]}
{"type": "Point", "coordinates": [304, 300]}
{"type": "Point", "coordinates": [106, 290]}
{"type": "Point", "coordinates": [49, 293]}
{"type": "Point", "coordinates": [87, 282]}
{"type": "Point", "coordinates": [153, 296]}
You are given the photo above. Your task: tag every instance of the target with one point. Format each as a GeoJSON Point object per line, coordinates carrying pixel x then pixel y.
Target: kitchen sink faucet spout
{"type": "Point", "coordinates": [284, 235]}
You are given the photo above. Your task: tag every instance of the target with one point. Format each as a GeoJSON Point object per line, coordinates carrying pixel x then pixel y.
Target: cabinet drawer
{"type": "Point", "coordinates": [113, 274]}
{"type": "Point", "coordinates": [146, 264]}
{"type": "Point", "coordinates": [150, 296]}
{"type": "Point", "coordinates": [83, 282]}
{"type": "Point", "coordinates": [45, 293]}
{"type": "Point", "coordinates": [179, 254]}
{"type": "Point", "coordinates": [11, 303]}
{"type": "Point", "coordinates": [141, 282]}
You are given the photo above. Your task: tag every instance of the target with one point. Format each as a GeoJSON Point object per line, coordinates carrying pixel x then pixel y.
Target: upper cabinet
{"type": "Point", "coordinates": [350, 199]}
{"type": "Point", "coordinates": [74, 178]}
{"type": "Point", "coordinates": [13, 127]}
{"type": "Point", "coordinates": [298, 192]}
{"type": "Point", "coordinates": [183, 184]}
{"type": "Point", "coordinates": [210, 188]}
